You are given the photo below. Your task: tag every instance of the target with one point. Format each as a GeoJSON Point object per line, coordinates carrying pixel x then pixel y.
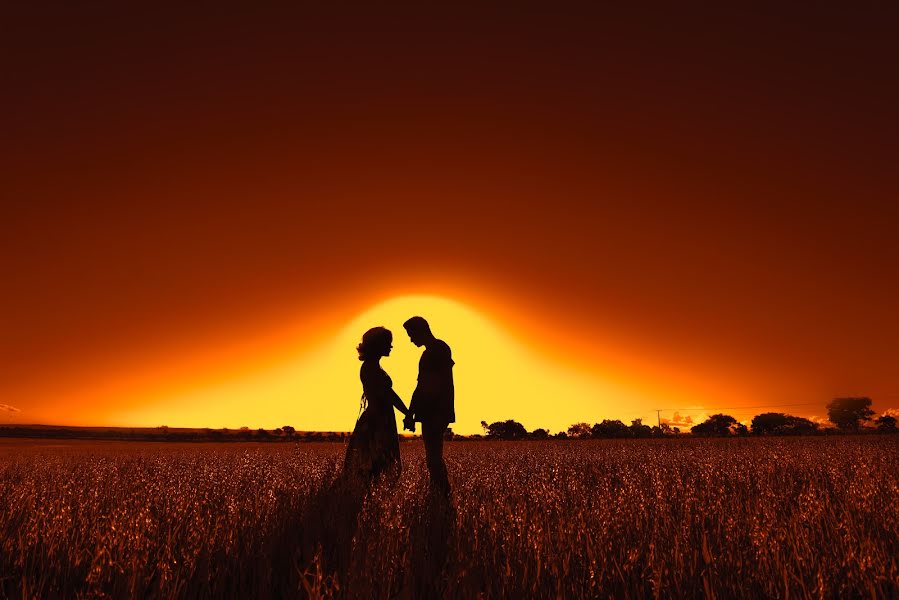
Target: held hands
{"type": "Point", "coordinates": [409, 423]}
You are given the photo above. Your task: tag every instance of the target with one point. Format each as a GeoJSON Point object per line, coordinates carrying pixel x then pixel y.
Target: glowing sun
{"type": "Point", "coordinates": [497, 377]}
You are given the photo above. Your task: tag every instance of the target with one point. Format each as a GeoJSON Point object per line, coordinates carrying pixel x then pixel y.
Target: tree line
{"type": "Point", "coordinates": [171, 434]}
{"type": "Point", "coordinates": [847, 415]}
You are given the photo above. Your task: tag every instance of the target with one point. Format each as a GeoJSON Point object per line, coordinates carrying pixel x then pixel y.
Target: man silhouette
{"type": "Point", "coordinates": [432, 400]}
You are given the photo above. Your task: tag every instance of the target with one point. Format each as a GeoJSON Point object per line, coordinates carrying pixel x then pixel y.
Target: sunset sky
{"type": "Point", "coordinates": [603, 212]}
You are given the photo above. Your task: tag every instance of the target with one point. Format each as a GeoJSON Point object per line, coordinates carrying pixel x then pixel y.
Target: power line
{"type": "Point", "coordinates": [706, 408]}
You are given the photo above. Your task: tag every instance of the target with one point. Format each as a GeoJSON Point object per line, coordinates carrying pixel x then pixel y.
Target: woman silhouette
{"type": "Point", "coordinates": [374, 448]}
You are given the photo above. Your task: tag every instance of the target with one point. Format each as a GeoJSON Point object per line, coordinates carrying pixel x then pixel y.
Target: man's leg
{"type": "Point", "coordinates": [432, 435]}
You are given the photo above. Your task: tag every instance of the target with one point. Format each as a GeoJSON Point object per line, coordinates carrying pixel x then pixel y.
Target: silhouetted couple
{"type": "Point", "coordinates": [374, 449]}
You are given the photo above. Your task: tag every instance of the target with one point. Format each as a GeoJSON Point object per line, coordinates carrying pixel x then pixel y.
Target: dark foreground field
{"type": "Point", "coordinates": [677, 518]}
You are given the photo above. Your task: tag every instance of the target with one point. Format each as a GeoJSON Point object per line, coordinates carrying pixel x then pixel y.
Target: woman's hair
{"type": "Point", "coordinates": [374, 342]}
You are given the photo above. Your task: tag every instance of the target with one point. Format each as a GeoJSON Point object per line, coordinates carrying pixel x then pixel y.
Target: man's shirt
{"type": "Point", "coordinates": [433, 399]}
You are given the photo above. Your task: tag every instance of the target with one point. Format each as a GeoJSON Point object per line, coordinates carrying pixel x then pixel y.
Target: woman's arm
{"type": "Point", "coordinates": [398, 402]}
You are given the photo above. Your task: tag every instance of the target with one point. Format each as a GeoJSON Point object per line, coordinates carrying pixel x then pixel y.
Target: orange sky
{"type": "Point", "coordinates": [701, 204]}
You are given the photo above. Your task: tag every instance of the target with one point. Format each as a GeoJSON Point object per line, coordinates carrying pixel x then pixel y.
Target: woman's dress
{"type": "Point", "coordinates": [374, 447]}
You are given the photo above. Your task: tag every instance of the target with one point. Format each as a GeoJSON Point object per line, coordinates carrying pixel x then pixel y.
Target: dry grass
{"type": "Point", "coordinates": [677, 518]}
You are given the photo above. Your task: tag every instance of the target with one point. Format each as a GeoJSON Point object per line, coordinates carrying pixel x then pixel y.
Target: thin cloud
{"type": "Point", "coordinates": [822, 421]}
{"type": "Point", "coordinates": [678, 421]}
{"type": "Point", "coordinates": [891, 412]}
{"type": "Point", "coordinates": [8, 408]}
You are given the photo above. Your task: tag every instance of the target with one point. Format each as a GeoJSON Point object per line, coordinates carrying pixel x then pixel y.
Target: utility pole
{"type": "Point", "coordinates": [659, 417]}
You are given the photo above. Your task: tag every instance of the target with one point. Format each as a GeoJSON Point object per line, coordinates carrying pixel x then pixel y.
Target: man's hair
{"type": "Point", "coordinates": [417, 324]}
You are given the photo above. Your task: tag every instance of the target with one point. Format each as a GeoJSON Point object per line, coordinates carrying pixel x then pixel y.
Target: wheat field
{"type": "Point", "coordinates": [734, 518]}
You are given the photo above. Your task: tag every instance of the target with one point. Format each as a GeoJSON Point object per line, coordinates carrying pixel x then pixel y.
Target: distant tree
{"type": "Point", "coordinates": [580, 431]}
{"type": "Point", "coordinates": [663, 430]}
{"type": "Point", "coordinates": [262, 434]}
{"type": "Point", "coordinates": [244, 433]}
{"type": "Point", "coordinates": [770, 423]}
{"type": "Point", "coordinates": [610, 429]}
{"type": "Point", "coordinates": [448, 435]}
{"type": "Point", "coordinates": [539, 434]}
{"type": "Point", "coordinates": [719, 425]}
{"type": "Point", "coordinates": [561, 436]}
{"type": "Point", "coordinates": [886, 424]}
{"type": "Point", "coordinates": [639, 430]}
{"type": "Point", "coordinates": [505, 430]}
{"type": "Point", "coordinates": [288, 431]}
{"type": "Point", "coordinates": [780, 424]}
{"type": "Point", "coordinates": [848, 413]}
{"type": "Point", "coordinates": [801, 426]}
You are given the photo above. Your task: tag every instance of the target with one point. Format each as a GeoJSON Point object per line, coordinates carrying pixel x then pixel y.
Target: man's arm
{"type": "Point", "coordinates": [409, 420]}
{"type": "Point", "coordinates": [414, 402]}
